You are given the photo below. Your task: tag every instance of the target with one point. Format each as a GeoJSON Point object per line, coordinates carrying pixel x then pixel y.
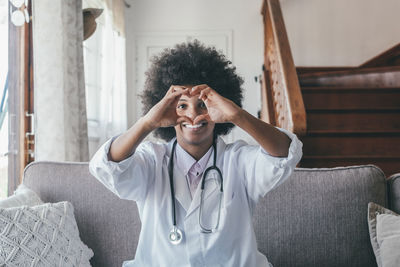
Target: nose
{"type": "Point", "coordinates": [192, 112]}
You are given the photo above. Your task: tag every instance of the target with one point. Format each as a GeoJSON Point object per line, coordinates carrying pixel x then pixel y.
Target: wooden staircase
{"type": "Point", "coordinates": [343, 115]}
{"type": "Point", "coordinates": [352, 119]}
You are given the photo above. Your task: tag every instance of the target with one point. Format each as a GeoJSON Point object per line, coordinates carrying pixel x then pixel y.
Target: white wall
{"type": "Point", "coordinates": [340, 32]}
{"type": "Point", "coordinates": [240, 16]}
{"type": "Point", "coordinates": [321, 33]}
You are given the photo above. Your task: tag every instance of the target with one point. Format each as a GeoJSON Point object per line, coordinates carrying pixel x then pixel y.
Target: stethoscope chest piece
{"type": "Point", "coordinates": [175, 236]}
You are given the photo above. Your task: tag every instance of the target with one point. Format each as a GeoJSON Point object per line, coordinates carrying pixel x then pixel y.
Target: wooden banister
{"type": "Point", "coordinates": [283, 99]}
{"type": "Point", "coordinates": [390, 57]}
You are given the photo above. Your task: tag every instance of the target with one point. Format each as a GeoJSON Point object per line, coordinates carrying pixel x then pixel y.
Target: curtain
{"type": "Point", "coordinates": [59, 94]}
{"type": "Point", "coordinates": [105, 78]}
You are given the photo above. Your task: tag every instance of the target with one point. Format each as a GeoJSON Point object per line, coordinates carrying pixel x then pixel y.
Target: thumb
{"type": "Point", "coordinates": [201, 118]}
{"type": "Point", "coordinates": [182, 119]}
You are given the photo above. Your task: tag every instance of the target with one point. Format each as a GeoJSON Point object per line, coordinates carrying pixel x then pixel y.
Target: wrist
{"type": "Point", "coordinates": [147, 124]}
{"type": "Point", "coordinates": [238, 116]}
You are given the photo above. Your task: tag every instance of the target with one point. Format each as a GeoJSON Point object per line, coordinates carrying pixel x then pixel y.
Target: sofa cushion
{"type": "Point", "coordinates": [44, 235]}
{"type": "Point", "coordinates": [108, 225]}
{"type": "Point", "coordinates": [319, 217]}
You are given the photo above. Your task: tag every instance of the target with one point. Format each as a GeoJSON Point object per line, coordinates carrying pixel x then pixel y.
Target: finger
{"type": "Point", "coordinates": [171, 100]}
{"type": "Point", "coordinates": [204, 117]}
{"type": "Point", "coordinates": [183, 119]}
{"type": "Point", "coordinates": [180, 88]}
{"type": "Point", "coordinates": [171, 89]}
{"type": "Point", "coordinates": [176, 88]}
{"type": "Point", "coordinates": [177, 92]}
{"type": "Point", "coordinates": [196, 89]}
{"type": "Point", "coordinates": [205, 93]}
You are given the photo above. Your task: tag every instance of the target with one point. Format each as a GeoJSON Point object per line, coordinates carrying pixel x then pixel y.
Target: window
{"type": "Point", "coordinates": [3, 99]}
{"type": "Point", "coordinates": [18, 39]}
{"type": "Point", "coordinates": [105, 79]}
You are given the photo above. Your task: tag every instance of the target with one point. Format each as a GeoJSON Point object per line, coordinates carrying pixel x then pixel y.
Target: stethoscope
{"type": "Point", "coordinates": [175, 235]}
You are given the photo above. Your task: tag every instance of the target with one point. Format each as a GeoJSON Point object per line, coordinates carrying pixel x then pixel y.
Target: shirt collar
{"type": "Point", "coordinates": [185, 161]}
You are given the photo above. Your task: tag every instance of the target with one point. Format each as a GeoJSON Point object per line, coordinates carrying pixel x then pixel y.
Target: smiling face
{"type": "Point", "coordinates": [190, 136]}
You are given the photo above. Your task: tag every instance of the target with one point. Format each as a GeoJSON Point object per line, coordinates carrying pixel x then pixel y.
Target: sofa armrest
{"type": "Point", "coordinates": [394, 192]}
{"type": "Point", "coordinates": [394, 176]}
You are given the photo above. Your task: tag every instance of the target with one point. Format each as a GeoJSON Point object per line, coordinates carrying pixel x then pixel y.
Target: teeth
{"type": "Point", "coordinates": [193, 126]}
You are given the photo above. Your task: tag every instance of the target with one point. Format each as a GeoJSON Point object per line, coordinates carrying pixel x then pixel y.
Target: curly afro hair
{"type": "Point", "coordinates": [192, 64]}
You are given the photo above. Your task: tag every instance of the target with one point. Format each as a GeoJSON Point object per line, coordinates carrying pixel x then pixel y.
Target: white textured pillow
{"type": "Point", "coordinates": [22, 196]}
{"type": "Point", "coordinates": [45, 235]}
{"type": "Point", "coordinates": [374, 211]}
{"type": "Point", "coordinates": [388, 236]}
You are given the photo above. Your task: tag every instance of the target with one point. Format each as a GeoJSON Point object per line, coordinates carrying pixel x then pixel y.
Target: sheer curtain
{"type": "Point", "coordinates": [59, 89]}
{"type": "Point", "coordinates": [105, 73]}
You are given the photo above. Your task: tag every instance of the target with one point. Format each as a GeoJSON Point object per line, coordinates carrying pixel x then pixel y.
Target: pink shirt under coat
{"type": "Point", "coordinates": [192, 169]}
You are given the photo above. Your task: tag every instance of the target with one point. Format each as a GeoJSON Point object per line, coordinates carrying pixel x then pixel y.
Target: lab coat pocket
{"type": "Point", "coordinates": [229, 214]}
{"type": "Point", "coordinates": [217, 246]}
{"type": "Point", "coordinates": [232, 213]}
{"type": "Point", "coordinates": [228, 199]}
{"type": "Point", "coordinates": [210, 211]}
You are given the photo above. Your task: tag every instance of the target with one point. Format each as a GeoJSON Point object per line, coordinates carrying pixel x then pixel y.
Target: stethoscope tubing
{"type": "Point", "coordinates": [171, 182]}
{"type": "Point", "coordinates": [214, 167]}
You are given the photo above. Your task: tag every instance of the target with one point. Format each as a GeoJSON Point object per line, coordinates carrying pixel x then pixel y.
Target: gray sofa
{"type": "Point", "coordinates": [317, 218]}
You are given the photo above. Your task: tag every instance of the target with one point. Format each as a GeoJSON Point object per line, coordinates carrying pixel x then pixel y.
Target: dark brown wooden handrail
{"type": "Point", "coordinates": [285, 106]}
{"type": "Point", "coordinates": [390, 57]}
{"type": "Point", "coordinates": [355, 77]}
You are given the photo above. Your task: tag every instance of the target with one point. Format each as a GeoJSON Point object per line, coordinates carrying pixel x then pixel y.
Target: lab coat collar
{"type": "Point", "coordinates": [182, 191]}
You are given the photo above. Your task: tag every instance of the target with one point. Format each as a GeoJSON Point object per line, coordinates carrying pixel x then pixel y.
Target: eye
{"type": "Point", "coordinates": [203, 105]}
{"type": "Point", "coordinates": [181, 106]}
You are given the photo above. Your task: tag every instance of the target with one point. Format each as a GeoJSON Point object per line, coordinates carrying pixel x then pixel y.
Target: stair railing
{"type": "Point", "coordinates": [283, 104]}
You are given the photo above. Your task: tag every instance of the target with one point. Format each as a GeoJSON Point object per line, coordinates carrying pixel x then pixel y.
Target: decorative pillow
{"type": "Point", "coordinates": [384, 230]}
{"type": "Point", "coordinates": [44, 235]}
{"type": "Point", "coordinates": [22, 196]}
{"type": "Point", "coordinates": [388, 234]}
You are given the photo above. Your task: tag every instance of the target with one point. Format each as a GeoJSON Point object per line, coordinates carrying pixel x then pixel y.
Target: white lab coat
{"type": "Point", "coordinates": [248, 174]}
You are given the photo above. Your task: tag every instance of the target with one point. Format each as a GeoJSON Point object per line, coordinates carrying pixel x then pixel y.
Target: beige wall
{"type": "Point", "coordinates": [321, 33]}
{"type": "Point", "coordinates": [340, 32]}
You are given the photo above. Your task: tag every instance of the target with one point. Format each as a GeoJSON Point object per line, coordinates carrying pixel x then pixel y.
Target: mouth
{"type": "Point", "coordinates": [196, 126]}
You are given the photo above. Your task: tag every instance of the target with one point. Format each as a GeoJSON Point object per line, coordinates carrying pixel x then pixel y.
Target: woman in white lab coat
{"type": "Point", "coordinates": [192, 96]}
